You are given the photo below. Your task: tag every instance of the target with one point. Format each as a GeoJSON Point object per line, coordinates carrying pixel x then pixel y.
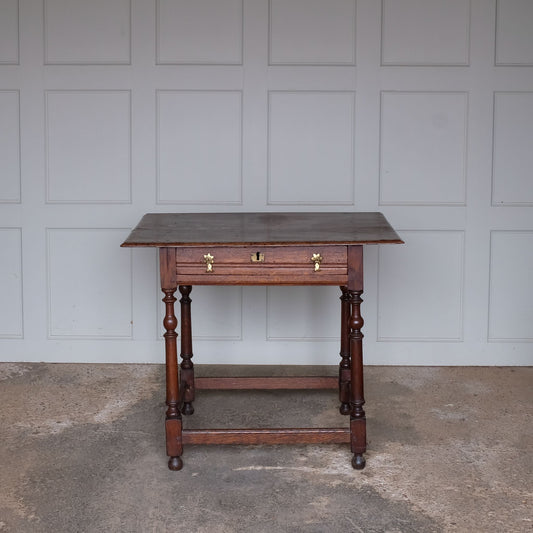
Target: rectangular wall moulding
{"type": "Point", "coordinates": [425, 32]}
{"type": "Point", "coordinates": [512, 168]}
{"type": "Point", "coordinates": [199, 147]}
{"type": "Point", "coordinates": [203, 32]}
{"type": "Point", "coordinates": [312, 32]}
{"type": "Point", "coordinates": [80, 32]}
{"type": "Point", "coordinates": [89, 284]}
{"type": "Point", "coordinates": [514, 32]}
{"type": "Point", "coordinates": [11, 283]}
{"type": "Point", "coordinates": [9, 146]}
{"type": "Point", "coordinates": [420, 287]}
{"type": "Point", "coordinates": [303, 313]}
{"type": "Point", "coordinates": [423, 148]}
{"type": "Point", "coordinates": [311, 147]}
{"type": "Point", "coordinates": [511, 287]}
{"type": "Point", "coordinates": [88, 146]}
{"type": "Point", "coordinates": [9, 32]}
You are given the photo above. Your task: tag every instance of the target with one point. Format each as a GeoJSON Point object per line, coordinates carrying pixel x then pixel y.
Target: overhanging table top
{"type": "Point", "coordinates": [199, 229]}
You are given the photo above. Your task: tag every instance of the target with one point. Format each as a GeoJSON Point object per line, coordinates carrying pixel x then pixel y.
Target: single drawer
{"type": "Point", "coordinates": [247, 265]}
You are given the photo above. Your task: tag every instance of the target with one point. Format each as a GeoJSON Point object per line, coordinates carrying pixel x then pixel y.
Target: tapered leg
{"type": "Point", "coordinates": [357, 413]}
{"type": "Point", "coordinates": [344, 367]}
{"type": "Point", "coordinates": [173, 424]}
{"type": "Point", "coordinates": [187, 366]}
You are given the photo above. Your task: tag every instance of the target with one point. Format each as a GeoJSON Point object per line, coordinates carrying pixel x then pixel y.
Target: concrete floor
{"type": "Point", "coordinates": [82, 449]}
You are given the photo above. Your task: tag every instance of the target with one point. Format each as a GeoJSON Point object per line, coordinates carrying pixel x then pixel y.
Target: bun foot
{"type": "Point", "coordinates": [175, 463]}
{"type": "Point", "coordinates": [187, 409]}
{"type": "Point", "coordinates": [344, 409]}
{"type": "Point", "coordinates": [358, 461]}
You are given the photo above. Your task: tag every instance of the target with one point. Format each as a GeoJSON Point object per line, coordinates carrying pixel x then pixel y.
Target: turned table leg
{"type": "Point", "coordinates": [357, 413]}
{"type": "Point", "coordinates": [173, 424]}
{"type": "Point", "coordinates": [355, 325]}
{"type": "Point", "coordinates": [344, 366]}
{"type": "Point", "coordinates": [187, 366]}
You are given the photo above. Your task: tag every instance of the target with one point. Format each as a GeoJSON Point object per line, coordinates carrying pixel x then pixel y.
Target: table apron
{"type": "Point", "coordinates": [273, 278]}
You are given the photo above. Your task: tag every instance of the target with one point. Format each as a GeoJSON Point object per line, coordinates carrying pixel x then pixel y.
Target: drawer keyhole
{"type": "Point", "coordinates": [258, 257]}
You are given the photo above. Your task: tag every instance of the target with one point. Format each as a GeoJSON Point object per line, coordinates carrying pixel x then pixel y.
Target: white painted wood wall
{"type": "Point", "coordinates": [421, 109]}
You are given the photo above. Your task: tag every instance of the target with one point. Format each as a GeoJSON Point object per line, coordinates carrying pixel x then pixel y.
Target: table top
{"type": "Point", "coordinates": [200, 229]}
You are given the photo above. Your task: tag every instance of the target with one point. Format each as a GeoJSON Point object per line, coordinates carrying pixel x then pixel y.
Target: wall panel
{"type": "Point", "coordinates": [512, 154]}
{"type": "Point", "coordinates": [511, 289]}
{"type": "Point", "coordinates": [425, 32]}
{"type": "Point", "coordinates": [423, 148]}
{"type": "Point", "coordinates": [217, 313]}
{"type": "Point", "coordinates": [88, 146]}
{"type": "Point", "coordinates": [199, 147]}
{"type": "Point", "coordinates": [9, 146]}
{"type": "Point", "coordinates": [200, 32]}
{"type": "Point", "coordinates": [514, 38]}
{"type": "Point", "coordinates": [317, 22]}
{"type": "Point", "coordinates": [311, 147]}
{"type": "Point", "coordinates": [89, 283]}
{"type": "Point", "coordinates": [80, 32]}
{"type": "Point", "coordinates": [421, 287]}
{"type": "Point", "coordinates": [303, 314]}
{"type": "Point", "coordinates": [9, 32]}
{"type": "Point", "coordinates": [11, 316]}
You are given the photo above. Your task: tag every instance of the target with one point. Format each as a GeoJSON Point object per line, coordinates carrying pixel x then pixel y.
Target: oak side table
{"type": "Point", "coordinates": [262, 249]}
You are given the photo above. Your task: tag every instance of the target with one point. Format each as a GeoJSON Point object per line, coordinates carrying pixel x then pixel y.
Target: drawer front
{"type": "Point", "coordinates": [246, 265]}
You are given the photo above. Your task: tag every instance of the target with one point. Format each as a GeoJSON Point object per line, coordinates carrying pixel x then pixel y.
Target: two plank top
{"type": "Point", "coordinates": [199, 229]}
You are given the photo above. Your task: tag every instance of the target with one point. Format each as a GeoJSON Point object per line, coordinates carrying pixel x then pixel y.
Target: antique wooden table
{"type": "Point", "coordinates": [262, 249]}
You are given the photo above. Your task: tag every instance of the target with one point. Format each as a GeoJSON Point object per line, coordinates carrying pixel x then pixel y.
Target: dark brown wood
{"type": "Point", "coordinates": [355, 268]}
{"type": "Point", "coordinates": [239, 256]}
{"type": "Point", "coordinates": [267, 436]}
{"type": "Point", "coordinates": [279, 265]}
{"type": "Point", "coordinates": [266, 383]}
{"type": "Point", "coordinates": [262, 249]}
{"type": "Point", "coordinates": [174, 437]}
{"type": "Point", "coordinates": [357, 413]}
{"type": "Point", "coordinates": [239, 229]}
{"type": "Point", "coordinates": [167, 269]}
{"type": "Point", "coordinates": [186, 366]}
{"type": "Point", "coordinates": [344, 366]}
{"type": "Point", "coordinates": [173, 425]}
{"type": "Point", "coordinates": [356, 322]}
{"type": "Point", "coordinates": [266, 276]}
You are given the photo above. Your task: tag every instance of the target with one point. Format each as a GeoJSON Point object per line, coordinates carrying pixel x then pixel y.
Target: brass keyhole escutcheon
{"type": "Point", "coordinates": [258, 257]}
{"type": "Point", "coordinates": [209, 260]}
{"type": "Point", "coordinates": [316, 259]}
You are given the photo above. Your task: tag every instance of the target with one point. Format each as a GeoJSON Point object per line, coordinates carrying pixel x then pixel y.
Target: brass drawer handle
{"type": "Point", "coordinates": [316, 259]}
{"type": "Point", "coordinates": [209, 260]}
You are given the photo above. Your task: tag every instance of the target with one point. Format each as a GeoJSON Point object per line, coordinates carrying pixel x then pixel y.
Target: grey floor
{"type": "Point", "coordinates": [82, 449]}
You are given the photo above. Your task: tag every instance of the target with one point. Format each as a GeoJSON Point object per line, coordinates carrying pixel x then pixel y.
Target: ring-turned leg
{"type": "Point", "coordinates": [173, 424]}
{"type": "Point", "coordinates": [344, 367]}
{"type": "Point", "coordinates": [187, 366]}
{"type": "Point", "coordinates": [357, 413]}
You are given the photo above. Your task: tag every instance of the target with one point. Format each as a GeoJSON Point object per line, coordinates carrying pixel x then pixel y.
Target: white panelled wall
{"type": "Point", "coordinates": [421, 109]}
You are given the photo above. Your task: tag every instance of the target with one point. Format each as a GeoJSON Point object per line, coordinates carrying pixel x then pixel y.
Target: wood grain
{"type": "Point", "coordinates": [267, 436]}
{"type": "Point", "coordinates": [200, 229]}
{"type": "Point", "coordinates": [266, 383]}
